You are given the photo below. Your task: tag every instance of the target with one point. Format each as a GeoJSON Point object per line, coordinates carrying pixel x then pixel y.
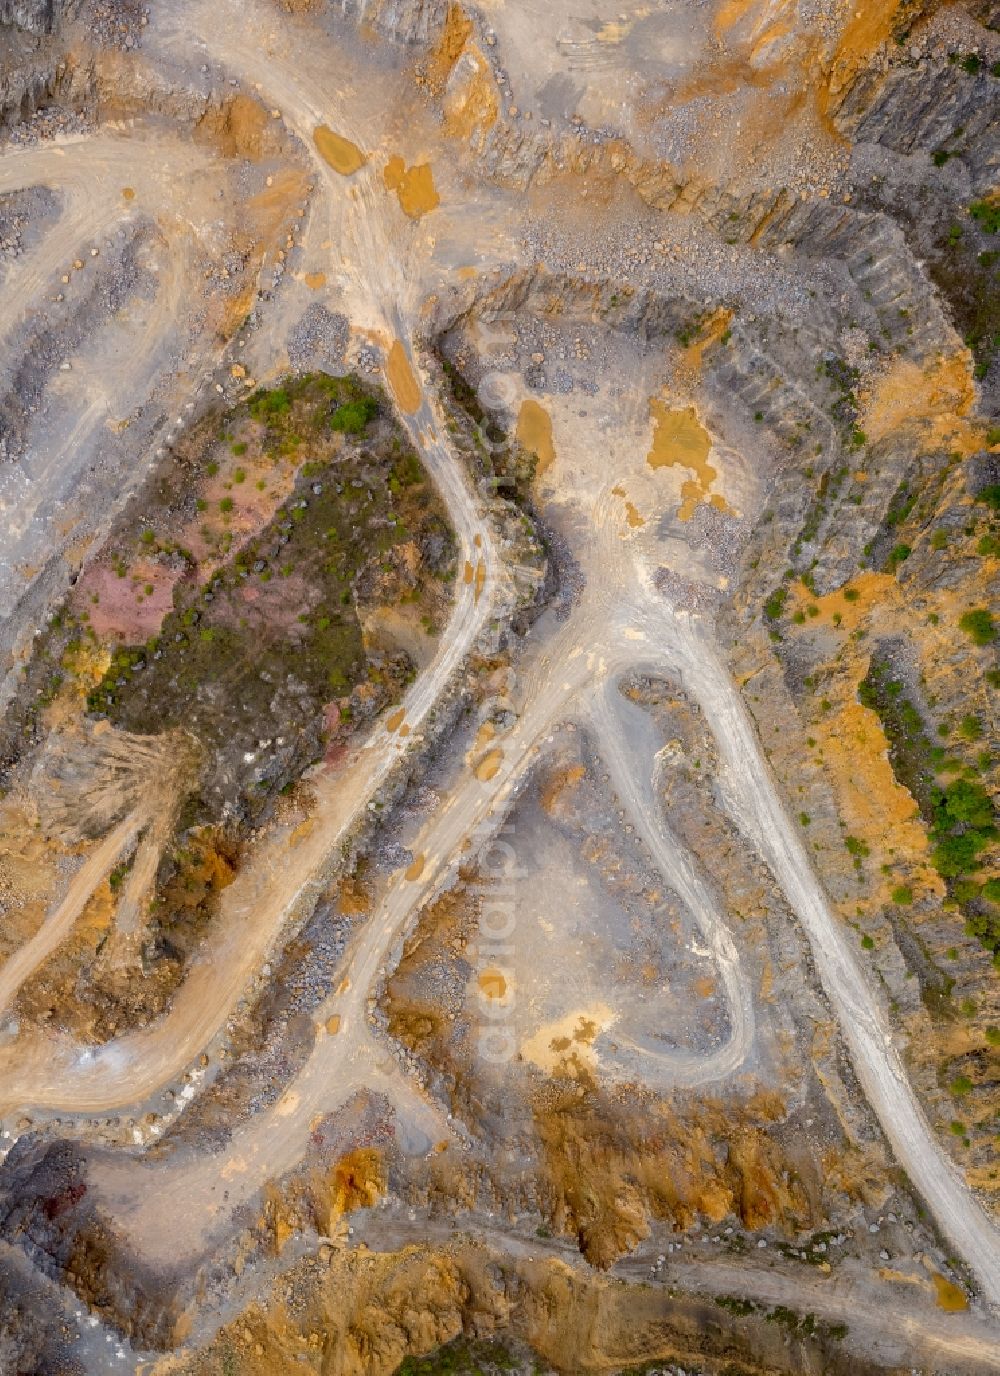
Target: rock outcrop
{"type": "Point", "coordinates": [34, 16]}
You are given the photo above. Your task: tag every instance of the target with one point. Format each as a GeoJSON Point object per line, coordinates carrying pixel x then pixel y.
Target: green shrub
{"type": "Point", "coordinates": [986, 215]}
{"type": "Point", "coordinates": [774, 605]}
{"type": "Point", "coordinates": [353, 416]}
{"type": "Point", "coordinates": [899, 554]}
{"type": "Point", "coordinates": [970, 728]}
{"type": "Point", "coordinates": [226, 504]}
{"type": "Point", "coordinates": [902, 894]}
{"type": "Point", "coordinates": [268, 405]}
{"type": "Point", "coordinates": [977, 623]}
{"type": "Point", "coordinates": [960, 1086]}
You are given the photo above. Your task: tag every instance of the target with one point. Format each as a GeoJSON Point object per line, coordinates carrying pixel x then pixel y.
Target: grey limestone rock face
{"type": "Point", "coordinates": [34, 16]}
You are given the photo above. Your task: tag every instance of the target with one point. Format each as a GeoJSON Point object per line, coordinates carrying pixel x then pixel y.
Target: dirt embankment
{"type": "Point", "coordinates": [361, 1313]}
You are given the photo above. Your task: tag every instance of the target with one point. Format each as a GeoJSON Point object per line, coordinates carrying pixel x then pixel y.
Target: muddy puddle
{"type": "Point", "coordinates": [681, 441]}
{"type": "Point", "coordinates": [487, 767]}
{"type": "Point", "coordinates": [493, 984]}
{"type": "Point", "coordinates": [948, 1295]}
{"type": "Point", "coordinates": [414, 187]}
{"type": "Point", "coordinates": [534, 431]}
{"type": "Point", "coordinates": [342, 155]}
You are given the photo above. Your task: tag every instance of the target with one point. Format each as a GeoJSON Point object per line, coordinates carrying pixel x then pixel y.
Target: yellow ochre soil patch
{"type": "Point", "coordinates": [342, 155]}
{"type": "Point", "coordinates": [414, 187]}
{"type": "Point", "coordinates": [315, 281]}
{"type": "Point", "coordinates": [936, 399]}
{"type": "Point", "coordinates": [534, 431]}
{"type": "Point", "coordinates": [405, 387]}
{"type": "Point", "coordinates": [456, 31]}
{"type": "Point", "coordinates": [416, 868]}
{"type": "Point", "coordinates": [267, 219]}
{"type": "Point", "coordinates": [873, 589]}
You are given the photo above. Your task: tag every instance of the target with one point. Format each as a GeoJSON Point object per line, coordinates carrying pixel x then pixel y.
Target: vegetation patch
{"type": "Point", "coordinates": [959, 812]}
{"type": "Point", "coordinates": [463, 1357]}
{"type": "Point", "coordinates": [267, 658]}
{"type": "Point", "coordinates": [969, 281]}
